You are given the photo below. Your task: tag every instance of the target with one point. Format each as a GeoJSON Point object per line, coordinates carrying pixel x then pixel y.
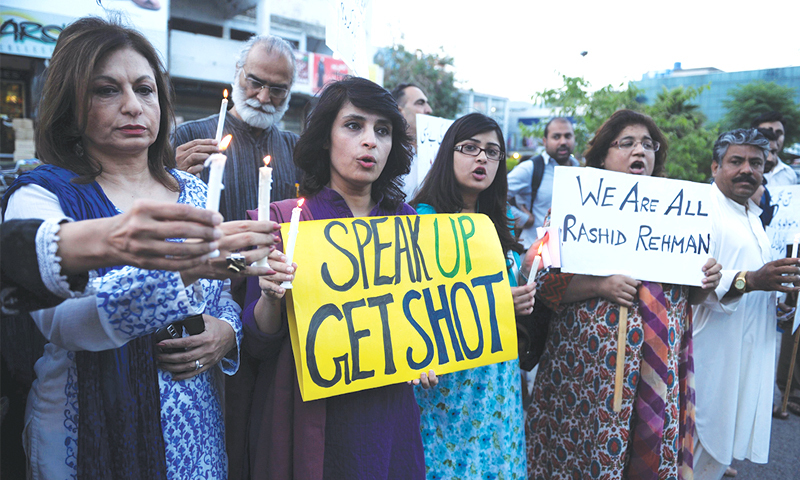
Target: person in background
{"type": "Point", "coordinates": [777, 173]}
{"type": "Point", "coordinates": [530, 184]}
{"type": "Point", "coordinates": [352, 154]}
{"type": "Point", "coordinates": [762, 197]}
{"type": "Point", "coordinates": [110, 399]}
{"type": "Point", "coordinates": [572, 429]}
{"type": "Point", "coordinates": [261, 93]}
{"type": "Point", "coordinates": [411, 100]}
{"type": "Point", "coordinates": [472, 425]}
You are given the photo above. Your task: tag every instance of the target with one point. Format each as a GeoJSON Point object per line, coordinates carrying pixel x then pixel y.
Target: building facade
{"type": "Point", "coordinates": [719, 83]}
{"type": "Point", "coordinates": [199, 41]}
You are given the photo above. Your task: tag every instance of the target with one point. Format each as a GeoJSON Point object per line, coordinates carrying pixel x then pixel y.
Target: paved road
{"type": "Point", "coordinates": [784, 453]}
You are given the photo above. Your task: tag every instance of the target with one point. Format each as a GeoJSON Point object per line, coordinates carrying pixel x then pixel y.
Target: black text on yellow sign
{"type": "Point", "coordinates": [378, 300]}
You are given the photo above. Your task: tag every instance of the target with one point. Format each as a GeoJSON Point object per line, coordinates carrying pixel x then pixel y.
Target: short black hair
{"type": "Point", "coordinates": [399, 92]}
{"type": "Point", "coordinates": [556, 119]}
{"type": "Point", "coordinates": [768, 117]}
{"type": "Point", "coordinates": [312, 155]}
{"type": "Point", "coordinates": [769, 133]}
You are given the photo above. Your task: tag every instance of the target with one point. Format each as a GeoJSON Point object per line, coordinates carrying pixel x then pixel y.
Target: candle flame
{"type": "Point", "coordinates": [266, 160]}
{"type": "Point", "coordinates": [544, 240]}
{"type": "Point", "coordinates": [301, 202]}
{"type": "Point", "coordinates": [225, 142]}
{"type": "Point", "coordinates": [225, 93]}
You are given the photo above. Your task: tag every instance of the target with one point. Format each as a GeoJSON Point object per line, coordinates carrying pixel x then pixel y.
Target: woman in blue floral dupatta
{"type": "Point", "coordinates": [111, 401]}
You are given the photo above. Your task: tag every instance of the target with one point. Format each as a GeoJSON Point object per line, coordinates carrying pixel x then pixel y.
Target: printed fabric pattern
{"type": "Point", "coordinates": [192, 418]}
{"type": "Point", "coordinates": [472, 422]}
{"type": "Point", "coordinates": [572, 429]}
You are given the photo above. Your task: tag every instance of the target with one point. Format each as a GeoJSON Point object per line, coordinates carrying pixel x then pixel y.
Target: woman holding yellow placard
{"type": "Point", "coordinates": [472, 425]}
{"type": "Point", "coordinates": [572, 426]}
{"type": "Point", "coordinates": [352, 153]}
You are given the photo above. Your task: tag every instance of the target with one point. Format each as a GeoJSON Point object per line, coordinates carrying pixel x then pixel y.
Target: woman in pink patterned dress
{"type": "Point", "coordinates": [572, 430]}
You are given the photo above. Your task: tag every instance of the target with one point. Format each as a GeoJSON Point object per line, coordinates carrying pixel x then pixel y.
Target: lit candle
{"type": "Point", "coordinates": [223, 110]}
{"type": "Point", "coordinates": [217, 164]}
{"type": "Point", "coordinates": [264, 192]}
{"type": "Point", "coordinates": [293, 227]}
{"type": "Point", "coordinates": [537, 259]}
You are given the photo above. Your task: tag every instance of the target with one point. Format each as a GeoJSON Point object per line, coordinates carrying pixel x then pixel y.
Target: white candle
{"type": "Point", "coordinates": [215, 186]}
{"type": "Point", "coordinates": [217, 165]}
{"type": "Point", "coordinates": [794, 246]}
{"type": "Point", "coordinates": [223, 110]}
{"type": "Point", "coordinates": [293, 227]}
{"type": "Point", "coordinates": [537, 259]}
{"type": "Point", "coordinates": [264, 193]}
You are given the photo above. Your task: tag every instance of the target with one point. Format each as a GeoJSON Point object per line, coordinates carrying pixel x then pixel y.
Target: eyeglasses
{"type": "Point", "coordinates": [628, 144]}
{"type": "Point", "coordinates": [492, 153]}
{"type": "Point", "coordinates": [275, 92]}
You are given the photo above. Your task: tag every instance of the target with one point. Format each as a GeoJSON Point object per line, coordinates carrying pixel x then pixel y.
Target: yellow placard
{"type": "Point", "coordinates": [378, 300]}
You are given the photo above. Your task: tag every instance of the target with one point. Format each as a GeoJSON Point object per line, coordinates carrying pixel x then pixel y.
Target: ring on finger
{"type": "Point", "coordinates": [197, 365]}
{"type": "Point", "coordinates": [236, 262]}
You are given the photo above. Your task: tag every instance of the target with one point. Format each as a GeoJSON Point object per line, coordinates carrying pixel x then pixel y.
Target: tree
{"type": "Point", "coordinates": [588, 110]}
{"type": "Point", "coordinates": [681, 121]}
{"type": "Point", "coordinates": [748, 101]}
{"type": "Point", "coordinates": [431, 72]}
{"type": "Point", "coordinates": [690, 141]}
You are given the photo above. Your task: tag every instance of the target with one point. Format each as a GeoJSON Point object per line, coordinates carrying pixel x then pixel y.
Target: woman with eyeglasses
{"type": "Point", "coordinates": [572, 429]}
{"type": "Point", "coordinates": [472, 425]}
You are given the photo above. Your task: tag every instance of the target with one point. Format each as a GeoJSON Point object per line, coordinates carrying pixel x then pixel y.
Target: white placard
{"type": "Point", "coordinates": [785, 222]}
{"type": "Point", "coordinates": [430, 132]}
{"type": "Point", "coordinates": [346, 34]}
{"type": "Point", "coordinates": [648, 228]}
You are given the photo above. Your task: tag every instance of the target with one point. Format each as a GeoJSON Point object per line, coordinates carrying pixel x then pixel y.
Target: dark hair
{"type": "Point", "coordinates": [768, 117]}
{"type": "Point", "coordinates": [769, 133]}
{"type": "Point", "coordinates": [440, 188]}
{"type": "Point", "coordinates": [399, 91]}
{"type": "Point", "coordinates": [556, 119]}
{"type": "Point", "coordinates": [598, 146]}
{"type": "Point", "coordinates": [313, 158]}
{"type": "Point", "coordinates": [66, 98]}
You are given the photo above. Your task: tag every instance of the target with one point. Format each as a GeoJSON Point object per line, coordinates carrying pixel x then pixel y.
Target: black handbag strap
{"type": "Point", "coordinates": [536, 178]}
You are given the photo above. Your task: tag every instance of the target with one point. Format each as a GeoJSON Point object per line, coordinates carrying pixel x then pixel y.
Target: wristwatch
{"type": "Point", "coordinates": [740, 282]}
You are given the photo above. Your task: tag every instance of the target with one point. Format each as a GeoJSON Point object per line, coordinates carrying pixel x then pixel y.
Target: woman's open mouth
{"type": "Point", "coordinates": [479, 173]}
{"type": "Point", "coordinates": [638, 168]}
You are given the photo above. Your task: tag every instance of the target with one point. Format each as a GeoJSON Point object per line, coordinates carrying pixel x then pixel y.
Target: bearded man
{"type": "Point", "coordinates": [261, 92]}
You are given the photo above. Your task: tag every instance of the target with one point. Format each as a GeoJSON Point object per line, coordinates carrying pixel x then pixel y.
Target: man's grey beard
{"type": "Point", "coordinates": [256, 114]}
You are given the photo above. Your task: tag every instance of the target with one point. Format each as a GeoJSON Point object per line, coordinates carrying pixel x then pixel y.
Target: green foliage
{"type": "Point", "coordinates": [748, 101]}
{"type": "Point", "coordinates": [511, 162]}
{"type": "Point", "coordinates": [681, 121]}
{"type": "Point", "coordinates": [431, 72]}
{"type": "Point", "coordinates": [690, 142]}
{"type": "Point", "coordinates": [589, 110]}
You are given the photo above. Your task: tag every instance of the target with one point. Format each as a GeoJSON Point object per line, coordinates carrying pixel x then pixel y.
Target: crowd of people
{"type": "Point", "coordinates": [146, 356]}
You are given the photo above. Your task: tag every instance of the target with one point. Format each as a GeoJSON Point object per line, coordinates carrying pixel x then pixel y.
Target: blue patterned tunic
{"type": "Point", "coordinates": [130, 302]}
{"type": "Point", "coordinates": [472, 423]}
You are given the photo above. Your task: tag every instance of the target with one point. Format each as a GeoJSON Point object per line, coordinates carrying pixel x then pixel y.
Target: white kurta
{"type": "Point", "coordinates": [734, 342]}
